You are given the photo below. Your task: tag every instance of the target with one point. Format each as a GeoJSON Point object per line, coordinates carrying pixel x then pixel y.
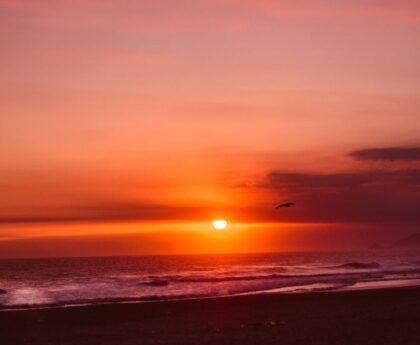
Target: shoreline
{"type": "Point", "coordinates": [377, 316]}
{"type": "Point", "coordinates": [288, 290]}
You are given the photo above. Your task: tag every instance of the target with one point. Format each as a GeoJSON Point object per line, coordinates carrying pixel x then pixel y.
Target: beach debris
{"type": "Point", "coordinates": [3, 292]}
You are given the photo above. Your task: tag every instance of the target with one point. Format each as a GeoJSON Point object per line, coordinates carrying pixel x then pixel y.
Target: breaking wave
{"type": "Point", "coordinates": [360, 265]}
{"type": "Point", "coordinates": [80, 281]}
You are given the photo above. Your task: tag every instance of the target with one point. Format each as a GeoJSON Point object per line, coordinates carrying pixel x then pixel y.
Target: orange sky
{"type": "Point", "coordinates": [137, 122]}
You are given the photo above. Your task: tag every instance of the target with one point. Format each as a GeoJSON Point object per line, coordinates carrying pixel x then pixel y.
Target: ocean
{"type": "Point", "coordinates": [61, 282]}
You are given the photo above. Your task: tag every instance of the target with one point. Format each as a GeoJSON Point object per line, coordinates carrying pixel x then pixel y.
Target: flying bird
{"type": "Point", "coordinates": [287, 204]}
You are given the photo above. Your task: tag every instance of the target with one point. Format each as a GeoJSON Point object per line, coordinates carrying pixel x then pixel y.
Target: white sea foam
{"type": "Point", "coordinates": [63, 282]}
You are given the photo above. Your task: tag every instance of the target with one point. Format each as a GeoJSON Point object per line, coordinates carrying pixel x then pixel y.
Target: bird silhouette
{"type": "Point", "coordinates": [287, 204]}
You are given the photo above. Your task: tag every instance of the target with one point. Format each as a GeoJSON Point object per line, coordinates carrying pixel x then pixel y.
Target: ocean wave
{"type": "Point", "coordinates": [209, 279]}
{"type": "Point", "coordinates": [74, 282]}
{"type": "Point", "coordinates": [157, 282]}
{"type": "Point", "coordinates": [325, 282]}
{"type": "Point", "coordinates": [107, 300]}
{"type": "Point", "coordinates": [359, 265]}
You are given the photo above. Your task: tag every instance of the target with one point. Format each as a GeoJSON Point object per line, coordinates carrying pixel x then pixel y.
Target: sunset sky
{"type": "Point", "coordinates": [126, 127]}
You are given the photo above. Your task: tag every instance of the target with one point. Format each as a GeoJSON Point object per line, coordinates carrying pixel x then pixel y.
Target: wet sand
{"type": "Point", "coordinates": [387, 316]}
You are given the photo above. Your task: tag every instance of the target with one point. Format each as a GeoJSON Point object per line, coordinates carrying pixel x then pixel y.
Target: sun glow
{"type": "Point", "coordinates": [220, 224]}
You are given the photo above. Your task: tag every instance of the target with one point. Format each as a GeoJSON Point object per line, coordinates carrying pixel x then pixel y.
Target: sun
{"type": "Point", "coordinates": [220, 224]}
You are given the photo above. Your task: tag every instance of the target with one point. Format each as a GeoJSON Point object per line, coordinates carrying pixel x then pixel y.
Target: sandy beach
{"type": "Point", "coordinates": [387, 316]}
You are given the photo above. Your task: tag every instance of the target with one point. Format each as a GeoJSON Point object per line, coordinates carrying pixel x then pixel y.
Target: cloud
{"type": "Point", "coordinates": [298, 181]}
{"type": "Point", "coordinates": [360, 196]}
{"type": "Point", "coordinates": [93, 213]}
{"type": "Point", "coordinates": [399, 10]}
{"type": "Point", "coordinates": [130, 16]}
{"type": "Point", "coordinates": [305, 181]}
{"type": "Point", "coordinates": [263, 238]}
{"type": "Point", "coordinates": [187, 14]}
{"type": "Point", "coordinates": [388, 154]}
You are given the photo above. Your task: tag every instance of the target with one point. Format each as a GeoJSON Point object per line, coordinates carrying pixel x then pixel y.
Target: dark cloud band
{"type": "Point", "coordinates": [388, 154]}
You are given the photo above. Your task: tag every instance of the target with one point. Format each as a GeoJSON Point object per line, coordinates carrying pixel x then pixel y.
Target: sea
{"type": "Point", "coordinates": [65, 282]}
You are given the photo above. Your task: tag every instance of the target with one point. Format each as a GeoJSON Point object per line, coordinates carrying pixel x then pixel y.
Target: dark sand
{"type": "Point", "coordinates": [388, 316]}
